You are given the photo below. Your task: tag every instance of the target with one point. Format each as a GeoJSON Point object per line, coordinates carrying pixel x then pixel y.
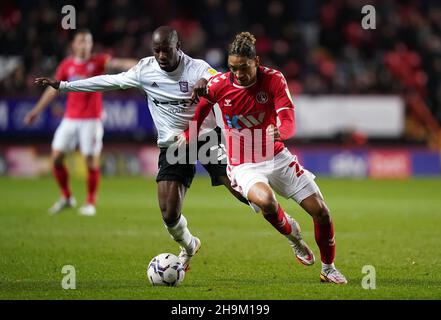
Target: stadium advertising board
{"type": "Point", "coordinates": [122, 117]}
{"type": "Point", "coordinates": [316, 117]}
{"type": "Point", "coordinates": [327, 116]}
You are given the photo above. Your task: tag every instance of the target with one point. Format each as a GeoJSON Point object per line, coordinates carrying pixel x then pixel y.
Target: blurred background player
{"type": "Point", "coordinates": [252, 98]}
{"type": "Point", "coordinates": [82, 124]}
{"type": "Point", "coordinates": [172, 82]}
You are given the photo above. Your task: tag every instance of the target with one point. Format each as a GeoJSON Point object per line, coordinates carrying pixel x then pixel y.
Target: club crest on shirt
{"type": "Point", "coordinates": [183, 85]}
{"type": "Point", "coordinates": [262, 97]}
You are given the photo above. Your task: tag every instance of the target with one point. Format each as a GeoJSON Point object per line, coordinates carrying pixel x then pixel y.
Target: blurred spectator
{"type": "Point", "coordinates": [319, 45]}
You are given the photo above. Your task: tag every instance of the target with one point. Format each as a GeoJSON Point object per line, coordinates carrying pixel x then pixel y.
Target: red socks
{"type": "Point", "coordinates": [324, 236]}
{"type": "Point", "coordinates": [62, 176]}
{"type": "Point", "coordinates": [93, 179]}
{"type": "Point", "coordinates": [279, 221]}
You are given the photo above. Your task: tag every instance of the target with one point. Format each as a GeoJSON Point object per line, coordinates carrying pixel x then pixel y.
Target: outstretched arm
{"type": "Point", "coordinates": [100, 83]}
{"type": "Point", "coordinates": [123, 80]}
{"type": "Point", "coordinates": [46, 98]}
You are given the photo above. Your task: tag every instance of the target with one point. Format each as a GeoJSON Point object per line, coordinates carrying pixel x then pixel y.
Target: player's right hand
{"type": "Point", "coordinates": [30, 117]}
{"type": "Point", "coordinates": [47, 82]}
{"type": "Point", "coordinates": [199, 89]}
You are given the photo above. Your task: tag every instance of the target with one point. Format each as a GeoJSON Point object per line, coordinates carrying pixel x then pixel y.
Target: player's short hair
{"type": "Point", "coordinates": [244, 45]}
{"type": "Point", "coordinates": [174, 36]}
{"type": "Point", "coordinates": [170, 32]}
{"type": "Point", "coordinates": [81, 31]}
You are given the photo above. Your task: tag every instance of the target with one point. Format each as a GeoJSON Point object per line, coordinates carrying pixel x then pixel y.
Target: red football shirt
{"type": "Point", "coordinates": [82, 105]}
{"type": "Point", "coordinates": [248, 111]}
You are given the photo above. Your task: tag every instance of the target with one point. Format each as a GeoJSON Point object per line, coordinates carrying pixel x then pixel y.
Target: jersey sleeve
{"type": "Point", "coordinates": [123, 80]}
{"type": "Point", "coordinates": [61, 72]}
{"type": "Point", "coordinates": [287, 126]}
{"type": "Point", "coordinates": [205, 70]}
{"type": "Point", "coordinates": [202, 111]}
{"type": "Point", "coordinates": [282, 96]}
{"type": "Point", "coordinates": [212, 88]}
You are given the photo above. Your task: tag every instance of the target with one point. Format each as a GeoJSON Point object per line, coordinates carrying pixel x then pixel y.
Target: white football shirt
{"type": "Point", "coordinates": [168, 93]}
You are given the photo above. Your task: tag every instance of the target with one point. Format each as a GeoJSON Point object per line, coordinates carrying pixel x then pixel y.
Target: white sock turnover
{"type": "Point", "coordinates": [180, 233]}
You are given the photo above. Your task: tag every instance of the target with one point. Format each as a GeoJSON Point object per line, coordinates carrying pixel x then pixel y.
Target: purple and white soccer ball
{"type": "Point", "coordinates": [165, 270]}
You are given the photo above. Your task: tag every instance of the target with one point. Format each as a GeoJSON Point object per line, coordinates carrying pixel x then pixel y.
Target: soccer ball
{"type": "Point", "coordinates": [165, 270]}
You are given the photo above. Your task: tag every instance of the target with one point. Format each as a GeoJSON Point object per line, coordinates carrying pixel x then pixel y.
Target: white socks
{"type": "Point", "coordinates": [180, 233]}
{"type": "Point", "coordinates": [327, 266]}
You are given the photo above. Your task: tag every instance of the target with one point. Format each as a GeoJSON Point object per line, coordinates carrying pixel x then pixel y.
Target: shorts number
{"type": "Point", "coordinates": [297, 167]}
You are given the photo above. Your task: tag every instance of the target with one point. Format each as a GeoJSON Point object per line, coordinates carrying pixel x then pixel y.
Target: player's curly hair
{"type": "Point", "coordinates": [243, 45]}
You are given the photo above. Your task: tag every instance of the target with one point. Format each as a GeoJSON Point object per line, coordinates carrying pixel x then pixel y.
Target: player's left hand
{"type": "Point", "coordinates": [199, 89]}
{"type": "Point", "coordinates": [274, 132]}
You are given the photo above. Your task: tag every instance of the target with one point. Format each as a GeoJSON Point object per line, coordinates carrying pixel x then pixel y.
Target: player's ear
{"type": "Point", "coordinates": [257, 61]}
{"type": "Point", "coordinates": [178, 45]}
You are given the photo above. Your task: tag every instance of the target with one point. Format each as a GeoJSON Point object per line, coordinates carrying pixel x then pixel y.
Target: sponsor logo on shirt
{"type": "Point", "coordinates": [176, 110]}
{"type": "Point", "coordinates": [245, 121]}
{"type": "Point", "coordinates": [182, 103]}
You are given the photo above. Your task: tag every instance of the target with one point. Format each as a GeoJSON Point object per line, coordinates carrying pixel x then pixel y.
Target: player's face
{"type": "Point", "coordinates": [243, 68]}
{"type": "Point", "coordinates": [82, 45]}
{"type": "Point", "coordinates": [166, 54]}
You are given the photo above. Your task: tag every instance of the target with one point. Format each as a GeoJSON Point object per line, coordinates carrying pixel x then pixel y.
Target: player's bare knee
{"type": "Point", "coordinates": [92, 166]}
{"type": "Point", "coordinates": [268, 204]}
{"type": "Point", "coordinates": [92, 162]}
{"type": "Point", "coordinates": [57, 160]}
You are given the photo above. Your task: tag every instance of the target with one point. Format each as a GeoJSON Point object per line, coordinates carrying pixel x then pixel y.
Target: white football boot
{"type": "Point", "coordinates": [87, 210]}
{"type": "Point", "coordinates": [62, 203]}
{"type": "Point", "coordinates": [301, 250]}
{"type": "Point", "coordinates": [186, 256]}
{"type": "Point", "coordinates": [332, 275]}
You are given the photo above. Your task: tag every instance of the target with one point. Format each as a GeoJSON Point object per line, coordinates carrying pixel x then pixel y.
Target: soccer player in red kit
{"type": "Point", "coordinates": [252, 98]}
{"type": "Point", "coordinates": [81, 125]}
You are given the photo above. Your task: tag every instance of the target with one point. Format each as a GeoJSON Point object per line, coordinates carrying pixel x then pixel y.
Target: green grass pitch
{"type": "Point", "coordinates": [393, 225]}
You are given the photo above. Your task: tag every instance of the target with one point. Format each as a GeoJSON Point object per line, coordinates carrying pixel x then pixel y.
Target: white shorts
{"type": "Point", "coordinates": [283, 173]}
{"type": "Point", "coordinates": [87, 133]}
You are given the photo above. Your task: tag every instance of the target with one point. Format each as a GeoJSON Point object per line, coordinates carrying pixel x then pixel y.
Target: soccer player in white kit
{"type": "Point", "coordinates": [81, 125]}
{"type": "Point", "coordinates": [172, 82]}
{"type": "Point", "coordinates": [252, 98]}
